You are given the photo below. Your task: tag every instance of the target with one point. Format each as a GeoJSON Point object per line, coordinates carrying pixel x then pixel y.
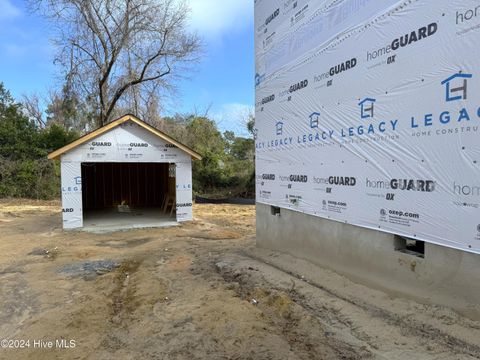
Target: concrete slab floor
{"type": "Point", "coordinates": [109, 220]}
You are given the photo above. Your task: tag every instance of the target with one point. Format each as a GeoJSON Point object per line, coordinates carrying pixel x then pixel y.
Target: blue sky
{"type": "Point", "coordinates": [222, 82]}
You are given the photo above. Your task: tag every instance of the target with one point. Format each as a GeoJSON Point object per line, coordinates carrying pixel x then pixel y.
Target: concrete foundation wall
{"type": "Point", "coordinates": [444, 276]}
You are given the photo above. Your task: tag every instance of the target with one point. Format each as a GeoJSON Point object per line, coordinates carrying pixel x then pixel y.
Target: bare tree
{"type": "Point", "coordinates": [120, 52]}
{"type": "Point", "coordinates": [32, 108]}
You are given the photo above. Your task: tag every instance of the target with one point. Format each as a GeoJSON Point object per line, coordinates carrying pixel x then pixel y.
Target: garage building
{"type": "Point", "coordinates": [126, 174]}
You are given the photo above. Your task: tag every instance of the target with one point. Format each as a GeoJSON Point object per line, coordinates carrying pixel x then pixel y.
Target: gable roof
{"type": "Point", "coordinates": [57, 153]}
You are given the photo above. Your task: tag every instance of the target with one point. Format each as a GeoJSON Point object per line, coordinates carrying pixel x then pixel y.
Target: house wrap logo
{"type": "Point", "coordinates": [381, 185]}
{"type": "Point", "coordinates": [377, 184]}
{"type": "Point", "coordinates": [284, 178]}
{"type": "Point", "coordinates": [293, 88]}
{"type": "Point", "coordinates": [467, 17]}
{"type": "Point", "coordinates": [336, 180]}
{"type": "Point", "coordinates": [344, 66]}
{"type": "Point", "coordinates": [334, 70]}
{"type": "Point", "coordinates": [332, 181]}
{"type": "Point", "coordinates": [181, 205]}
{"type": "Point", "coordinates": [265, 177]}
{"type": "Point", "coordinates": [325, 135]}
{"type": "Point", "coordinates": [101, 143]}
{"type": "Point", "coordinates": [298, 86]}
{"type": "Point", "coordinates": [271, 17]}
{"type": "Point", "coordinates": [466, 190]}
{"type": "Point", "coordinates": [367, 111]}
{"type": "Point", "coordinates": [455, 93]}
{"type": "Point", "coordinates": [415, 36]}
{"type": "Point", "coordinates": [263, 28]}
{"type": "Point", "coordinates": [342, 180]}
{"type": "Point", "coordinates": [268, 99]}
{"type": "Point", "coordinates": [459, 92]}
{"type": "Point", "coordinates": [367, 107]}
{"type": "Point", "coordinates": [314, 119]}
{"type": "Point", "coordinates": [403, 41]}
{"type": "Point", "coordinates": [279, 128]}
{"type": "Point", "coordinates": [298, 178]}
{"type": "Point", "coordinates": [75, 187]}
{"type": "Point", "coordinates": [259, 79]}
{"type": "Point", "coordinates": [316, 135]}
{"type": "Point", "coordinates": [184, 186]}
{"type": "Point", "coordinates": [412, 185]}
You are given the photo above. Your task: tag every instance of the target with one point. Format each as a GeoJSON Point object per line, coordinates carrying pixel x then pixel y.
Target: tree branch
{"type": "Point", "coordinates": [121, 90]}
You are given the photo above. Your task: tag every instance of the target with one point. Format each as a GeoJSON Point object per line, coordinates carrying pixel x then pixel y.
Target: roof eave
{"type": "Point", "coordinates": [59, 152]}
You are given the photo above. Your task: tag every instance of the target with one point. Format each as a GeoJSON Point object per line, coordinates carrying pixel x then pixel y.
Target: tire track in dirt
{"type": "Point", "coordinates": [425, 334]}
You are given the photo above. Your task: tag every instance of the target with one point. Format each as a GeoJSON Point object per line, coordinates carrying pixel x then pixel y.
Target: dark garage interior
{"type": "Point", "coordinates": [114, 193]}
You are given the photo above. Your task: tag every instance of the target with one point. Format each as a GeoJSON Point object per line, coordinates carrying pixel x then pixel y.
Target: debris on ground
{"type": "Point", "coordinates": [88, 268]}
{"type": "Point", "coordinates": [38, 252]}
{"type": "Point", "coordinates": [47, 253]}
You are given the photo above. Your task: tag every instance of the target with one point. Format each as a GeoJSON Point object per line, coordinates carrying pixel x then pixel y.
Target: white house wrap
{"type": "Point", "coordinates": [368, 113]}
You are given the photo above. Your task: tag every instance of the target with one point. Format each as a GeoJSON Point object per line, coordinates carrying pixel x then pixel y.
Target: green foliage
{"type": "Point", "coordinates": [55, 136]}
{"type": "Point", "coordinates": [24, 169]}
{"type": "Point", "coordinates": [227, 167]}
{"type": "Point", "coordinates": [204, 136]}
{"type": "Point", "coordinates": [242, 149]}
{"type": "Point", "coordinates": [214, 170]}
{"type": "Point", "coordinates": [18, 135]}
{"type": "Point", "coordinates": [29, 179]}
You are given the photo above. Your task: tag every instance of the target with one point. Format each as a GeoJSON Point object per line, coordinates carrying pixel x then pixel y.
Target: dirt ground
{"type": "Point", "coordinates": [197, 291]}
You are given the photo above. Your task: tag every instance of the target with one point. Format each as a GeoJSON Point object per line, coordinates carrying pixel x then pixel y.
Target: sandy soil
{"type": "Point", "coordinates": [198, 291]}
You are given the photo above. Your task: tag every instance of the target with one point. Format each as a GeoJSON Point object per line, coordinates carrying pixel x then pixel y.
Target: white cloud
{"type": "Point", "coordinates": [233, 117]}
{"type": "Point", "coordinates": [8, 10]}
{"type": "Point", "coordinates": [212, 18]}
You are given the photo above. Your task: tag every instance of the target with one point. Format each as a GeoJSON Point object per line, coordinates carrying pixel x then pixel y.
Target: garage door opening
{"type": "Point", "coordinates": [128, 195]}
